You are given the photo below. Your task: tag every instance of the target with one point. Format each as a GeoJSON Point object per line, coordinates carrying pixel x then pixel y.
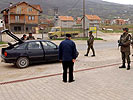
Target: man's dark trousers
{"type": "Point", "coordinates": [67, 65]}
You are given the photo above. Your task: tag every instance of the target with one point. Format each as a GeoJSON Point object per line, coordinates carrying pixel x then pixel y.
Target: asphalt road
{"type": "Point", "coordinates": [101, 45]}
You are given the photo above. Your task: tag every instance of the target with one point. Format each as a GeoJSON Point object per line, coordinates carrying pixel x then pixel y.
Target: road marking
{"type": "Point", "coordinates": [57, 74]}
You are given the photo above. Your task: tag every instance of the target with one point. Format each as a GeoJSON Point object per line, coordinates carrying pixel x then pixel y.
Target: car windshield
{"type": "Point", "coordinates": [54, 29]}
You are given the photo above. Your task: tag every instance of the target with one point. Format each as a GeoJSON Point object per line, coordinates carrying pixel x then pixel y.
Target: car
{"type": "Point", "coordinates": [24, 53]}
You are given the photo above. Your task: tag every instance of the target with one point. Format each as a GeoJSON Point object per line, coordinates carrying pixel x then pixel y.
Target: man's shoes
{"type": "Point", "coordinates": [92, 55]}
{"type": "Point", "coordinates": [122, 67]}
{"type": "Point", "coordinates": [86, 55]}
{"type": "Point", "coordinates": [128, 68]}
{"type": "Point", "coordinates": [64, 81]}
{"type": "Point", "coordinates": [71, 81]}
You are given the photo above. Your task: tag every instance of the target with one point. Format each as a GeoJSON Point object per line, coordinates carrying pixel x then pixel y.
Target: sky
{"type": "Point", "coordinates": [121, 1]}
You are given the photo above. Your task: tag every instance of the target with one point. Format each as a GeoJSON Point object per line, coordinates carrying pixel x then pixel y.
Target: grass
{"type": "Point", "coordinates": [64, 29]}
{"type": "Point", "coordinates": [116, 28]}
{"type": "Point", "coordinates": [78, 39]}
{"type": "Point", "coordinates": [3, 43]}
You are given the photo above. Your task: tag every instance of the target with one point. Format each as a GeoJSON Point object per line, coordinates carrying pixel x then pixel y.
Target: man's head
{"type": "Point", "coordinates": [125, 29]}
{"type": "Point", "coordinates": [24, 35]}
{"type": "Point", "coordinates": [90, 33]}
{"type": "Point", "coordinates": [68, 36]}
{"type": "Point", "coordinates": [30, 34]}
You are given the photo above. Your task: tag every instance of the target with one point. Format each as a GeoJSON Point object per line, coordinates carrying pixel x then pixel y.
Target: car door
{"type": "Point", "coordinates": [51, 51]}
{"type": "Point", "coordinates": [35, 51]}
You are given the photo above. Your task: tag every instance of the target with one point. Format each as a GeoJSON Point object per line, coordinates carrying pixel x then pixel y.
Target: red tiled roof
{"type": "Point", "coordinates": [38, 7]}
{"type": "Point", "coordinates": [93, 17]}
{"type": "Point", "coordinates": [66, 18]}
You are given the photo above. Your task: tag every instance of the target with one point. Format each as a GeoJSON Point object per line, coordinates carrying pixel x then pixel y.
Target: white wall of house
{"type": "Point", "coordinates": [1, 23]}
{"type": "Point", "coordinates": [65, 24]}
{"type": "Point", "coordinates": [89, 23]}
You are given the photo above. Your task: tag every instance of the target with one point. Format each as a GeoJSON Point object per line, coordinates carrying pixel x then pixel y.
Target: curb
{"type": "Point", "coordinates": [3, 45]}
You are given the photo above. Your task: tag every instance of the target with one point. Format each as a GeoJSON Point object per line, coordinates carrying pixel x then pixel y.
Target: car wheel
{"type": "Point", "coordinates": [22, 62]}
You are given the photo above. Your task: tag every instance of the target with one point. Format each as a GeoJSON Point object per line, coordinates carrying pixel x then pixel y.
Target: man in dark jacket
{"type": "Point", "coordinates": [124, 42]}
{"type": "Point", "coordinates": [67, 54]}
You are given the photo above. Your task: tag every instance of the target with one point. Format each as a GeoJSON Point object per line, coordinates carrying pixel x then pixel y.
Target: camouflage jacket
{"type": "Point", "coordinates": [125, 40]}
{"type": "Point", "coordinates": [90, 40]}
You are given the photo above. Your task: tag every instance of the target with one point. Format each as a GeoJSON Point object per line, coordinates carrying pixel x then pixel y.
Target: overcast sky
{"type": "Point", "coordinates": [121, 1]}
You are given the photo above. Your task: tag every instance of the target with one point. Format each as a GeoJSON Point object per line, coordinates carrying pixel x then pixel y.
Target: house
{"type": "Point", "coordinates": [22, 17]}
{"type": "Point", "coordinates": [92, 21]}
{"type": "Point", "coordinates": [79, 21]}
{"type": "Point", "coordinates": [65, 21]}
{"type": "Point", "coordinates": [107, 21]}
{"type": "Point", "coordinates": [120, 22]}
{"type": "Point", "coordinates": [46, 23]}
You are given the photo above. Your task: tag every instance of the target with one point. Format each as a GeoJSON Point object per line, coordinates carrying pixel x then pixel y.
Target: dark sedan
{"type": "Point", "coordinates": [32, 51]}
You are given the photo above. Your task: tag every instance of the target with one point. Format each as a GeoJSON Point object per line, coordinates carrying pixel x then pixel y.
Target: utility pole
{"type": "Point", "coordinates": [84, 18]}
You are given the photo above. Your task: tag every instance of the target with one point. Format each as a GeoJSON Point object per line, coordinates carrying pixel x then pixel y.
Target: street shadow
{"type": "Point", "coordinates": [43, 63]}
{"type": "Point", "coordinates": [10, 66]}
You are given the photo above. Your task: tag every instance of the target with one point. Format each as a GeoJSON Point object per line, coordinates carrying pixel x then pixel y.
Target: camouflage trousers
{"type": "Point", "coordinates": [88, 50]}
{"type": "Point", "coordinates": [125, 57]}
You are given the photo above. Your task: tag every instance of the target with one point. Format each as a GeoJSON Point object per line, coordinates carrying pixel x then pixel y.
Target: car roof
{"type": "Point", "coordinates": [37, 41]}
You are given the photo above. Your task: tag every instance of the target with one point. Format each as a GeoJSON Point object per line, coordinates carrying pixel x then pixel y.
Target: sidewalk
{"type": "Point", "coordinates": [109, 83]}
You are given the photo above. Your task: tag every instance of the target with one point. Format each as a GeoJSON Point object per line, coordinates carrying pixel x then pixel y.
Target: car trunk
{"type": "Point", "coordinates": [11, 46]}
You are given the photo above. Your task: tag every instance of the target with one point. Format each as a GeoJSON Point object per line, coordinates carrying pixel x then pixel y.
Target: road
{"type": "Point", "coordinates": [97, 78]}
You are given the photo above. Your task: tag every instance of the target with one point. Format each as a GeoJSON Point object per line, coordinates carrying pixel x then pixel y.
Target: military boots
{"type": "Point", "coordinates": [128, 67]}
{"type": "Point", "coordinates": [123, 66]}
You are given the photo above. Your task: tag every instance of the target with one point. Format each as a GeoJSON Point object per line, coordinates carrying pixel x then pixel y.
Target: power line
{"type": "Point", "coordinates": [76, 3]}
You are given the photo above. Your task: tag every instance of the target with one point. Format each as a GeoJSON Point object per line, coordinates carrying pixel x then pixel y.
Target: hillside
{"type": "Point", "coordinates": [74, 7]}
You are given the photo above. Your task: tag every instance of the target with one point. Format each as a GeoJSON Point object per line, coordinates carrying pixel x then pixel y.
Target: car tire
{"type": "Point", "coordinates": [22, 62]}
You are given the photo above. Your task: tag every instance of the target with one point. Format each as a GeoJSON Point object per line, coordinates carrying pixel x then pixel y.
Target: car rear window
{"type": "Point", "coordinates": [34, 45]}
{"type": "Point", "coordinates": [22, 46]}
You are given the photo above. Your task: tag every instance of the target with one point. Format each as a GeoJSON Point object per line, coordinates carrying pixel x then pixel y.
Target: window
{"type": "Point", "coordinates": [19, 10]}
{"type": "Point", "coordinates": [23, 46]}
{"type": "Point", "coordinates": [34, 45]}
{"type": "Point", "coordinates": [29, 9]}
{"type": "Point", "coordinates": [27, 29]}
{"type": "Point", "coordinates": [17, 28]}
{"type": "Point", "coordinates": [17, 18]}
{"type": "Point", "coordinates": [57, 30]}
{"type": "Point", "coordinates": [29, 17]}
{"type": "Point", "coordinates": [33, 17]}
{"type": "Point", "coordinates": [49, 45]}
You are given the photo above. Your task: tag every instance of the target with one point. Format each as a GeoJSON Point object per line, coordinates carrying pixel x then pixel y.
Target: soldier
{"type": "Point", "coordinates": [30, 37]}
{"type": "Point", "coordinates": [124, 42]}
{"type": "Point", "coordinates": [90, 44]}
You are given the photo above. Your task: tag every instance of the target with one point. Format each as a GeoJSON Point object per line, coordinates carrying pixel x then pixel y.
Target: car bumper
{"type": "Point", "coordinates": [7, 60]}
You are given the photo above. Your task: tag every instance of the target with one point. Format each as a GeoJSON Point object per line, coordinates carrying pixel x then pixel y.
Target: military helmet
{"type": "Point", "coordinates": [125, 29]}
{"type": "Point", "coordinates": [91, 32]}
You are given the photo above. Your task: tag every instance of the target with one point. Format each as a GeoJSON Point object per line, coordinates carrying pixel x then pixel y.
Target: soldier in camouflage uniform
{"type": "Point", "coordinates": [124, 43]}
{"type": "Point", "coordinates": [90, 44]}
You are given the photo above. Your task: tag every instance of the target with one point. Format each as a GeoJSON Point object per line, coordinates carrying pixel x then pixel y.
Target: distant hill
{"type": "Point", "coordinates": [74, 7]}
